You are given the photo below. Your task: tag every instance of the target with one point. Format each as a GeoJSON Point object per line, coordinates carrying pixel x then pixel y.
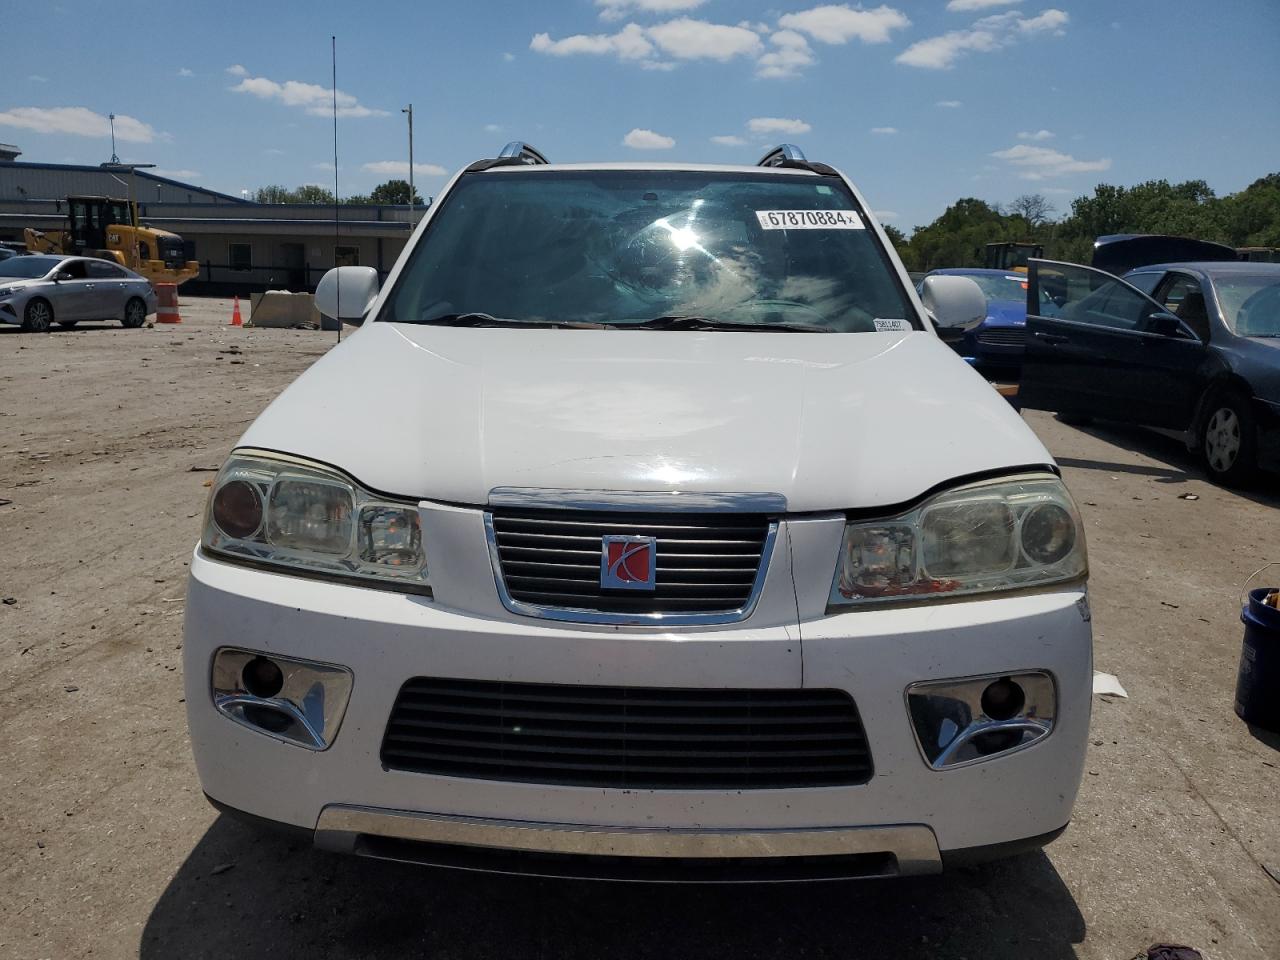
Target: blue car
{"type": "Point", "coordinates": [995, 346]}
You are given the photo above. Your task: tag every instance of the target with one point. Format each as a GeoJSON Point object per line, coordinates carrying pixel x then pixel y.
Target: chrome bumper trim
{"type": "Point", "coordinates": [913, 846]}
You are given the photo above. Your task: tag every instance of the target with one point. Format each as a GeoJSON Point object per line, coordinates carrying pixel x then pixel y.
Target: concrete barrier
{"type": "Point", "coordinates": [280, 308]}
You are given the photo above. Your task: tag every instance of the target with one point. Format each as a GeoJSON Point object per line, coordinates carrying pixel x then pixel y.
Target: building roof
{"type": "Point", "coordinates": [141, 174]}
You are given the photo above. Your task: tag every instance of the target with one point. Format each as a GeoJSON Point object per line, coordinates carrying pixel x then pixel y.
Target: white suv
{"type": "Point", "coordinates": [645, 529]}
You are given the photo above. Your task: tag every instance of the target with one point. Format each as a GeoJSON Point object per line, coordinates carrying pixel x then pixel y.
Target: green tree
{"type": "Point", "coordinates": [394, 192]}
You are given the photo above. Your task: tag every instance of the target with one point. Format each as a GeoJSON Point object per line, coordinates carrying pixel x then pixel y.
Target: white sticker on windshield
{"type": "Point", "coordinates": [809, 220]}
{"type": "Point", "coordinates": [891, 326]}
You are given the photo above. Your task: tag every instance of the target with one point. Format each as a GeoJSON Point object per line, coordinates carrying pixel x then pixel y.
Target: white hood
{"type": "Point", "coordinates": [829, 421]}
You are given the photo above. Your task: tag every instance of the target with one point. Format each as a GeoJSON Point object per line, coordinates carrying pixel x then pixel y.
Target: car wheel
{"type": "Point", "coordinates": [38, 316]}
{"type": "Point", "coordinates": [1228, 439]}
{"type": "Point", "coordinates": [135, 313]}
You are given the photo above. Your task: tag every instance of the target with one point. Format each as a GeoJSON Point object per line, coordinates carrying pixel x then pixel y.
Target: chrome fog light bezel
{"type": "Point", "coordinates": [309, 706]}
{"type": "Point", "coordinates": [962, 697]}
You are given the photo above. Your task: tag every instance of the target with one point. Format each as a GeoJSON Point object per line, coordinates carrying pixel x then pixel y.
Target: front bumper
{"type": "Point", "coordinates": [906, 819]}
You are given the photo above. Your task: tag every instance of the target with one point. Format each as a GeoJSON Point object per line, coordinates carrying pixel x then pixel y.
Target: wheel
{"type": "Point", "coordinates": [1075, 419]}
{"type": "Point", "coordinates": [135, 313]}
{"type": "Point", "coordinates": [1228, 439]}
{"type": "Point", "coordinates": [38, 316]}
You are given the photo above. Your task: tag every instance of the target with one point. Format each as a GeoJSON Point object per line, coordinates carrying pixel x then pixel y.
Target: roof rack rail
{"type": "Point", "coordinates": [790, 156]}
{"type": "Point", "coordinates": [522, 153]}
{"type": "Point", "coordinates": [515, 153]}
{"type": "Point", "coordinates": [784, 155]}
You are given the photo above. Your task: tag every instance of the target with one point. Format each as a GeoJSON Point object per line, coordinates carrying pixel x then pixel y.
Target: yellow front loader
{"type": "Point", "coordinates": [108, 229]}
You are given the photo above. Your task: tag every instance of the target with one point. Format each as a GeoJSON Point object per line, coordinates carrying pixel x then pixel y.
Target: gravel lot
{"type": "Point", "coordinates": [108, 848]}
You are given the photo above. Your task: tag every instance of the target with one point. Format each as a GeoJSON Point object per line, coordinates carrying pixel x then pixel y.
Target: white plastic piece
{"type": "Point", "coordinates": [1108, 685]}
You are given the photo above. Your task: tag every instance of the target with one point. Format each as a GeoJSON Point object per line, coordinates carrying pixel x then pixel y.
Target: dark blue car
{"type": "Point", "coordinates": [1189, 347]}
{"type": "Point", "coordinates": [995, 346]}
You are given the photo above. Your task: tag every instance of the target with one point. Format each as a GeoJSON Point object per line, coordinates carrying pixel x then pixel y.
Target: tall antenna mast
{"type": "Point", "coordinates": [333, 52]}
{"type": "Point", "coordinates": [111, 118]}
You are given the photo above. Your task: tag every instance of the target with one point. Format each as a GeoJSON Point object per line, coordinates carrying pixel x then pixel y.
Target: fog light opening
{"type": "Point", "coordinates": [262, 678]}
{"type": "Point", "coordinates": [1003, 699]}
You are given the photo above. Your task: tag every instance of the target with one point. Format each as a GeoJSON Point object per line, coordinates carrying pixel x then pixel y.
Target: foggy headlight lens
{"type": "Point", "coordinates": [985, 537]}
{"type": "Point", "coordinates": [310, 519]}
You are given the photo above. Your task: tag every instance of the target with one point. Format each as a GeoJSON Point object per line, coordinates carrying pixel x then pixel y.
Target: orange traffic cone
{"type": "Point", "coordinates": [236, 321]}
{"type": "Point", "coordinates": [167, 308]}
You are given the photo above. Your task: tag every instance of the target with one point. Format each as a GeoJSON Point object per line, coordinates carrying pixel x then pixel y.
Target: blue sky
{"type": "Point", "coordinates": [919, 101]}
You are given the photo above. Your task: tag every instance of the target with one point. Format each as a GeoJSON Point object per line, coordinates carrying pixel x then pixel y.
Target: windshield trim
{"type": "Point", "coordinates": [914, 315]}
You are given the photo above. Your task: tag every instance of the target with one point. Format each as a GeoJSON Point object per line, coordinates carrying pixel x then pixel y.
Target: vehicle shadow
{"type": "Point", "coordinates": [85, 326]}
{"type": "Point", "coordinates": [281, 898]}
{"type": "Point", "coordinates": [1179, 464]}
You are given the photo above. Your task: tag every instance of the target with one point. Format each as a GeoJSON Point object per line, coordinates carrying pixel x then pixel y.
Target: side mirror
{"type": "Point", "coordinates": [62, 275]}
{"type": "Point", "coordinates": [1166, 324]}
{"type": "Point", "coordinates": [954, 303]}
{"type": "Point", "coordinates": [346, 293]}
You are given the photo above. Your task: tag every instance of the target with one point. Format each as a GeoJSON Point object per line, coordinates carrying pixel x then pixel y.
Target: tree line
{"type": "Point", "coordinates": [1249, 218]}
{"type": "Point", "coordinates": [392, 192]}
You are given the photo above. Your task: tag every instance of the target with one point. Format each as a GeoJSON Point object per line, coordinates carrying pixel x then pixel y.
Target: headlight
{"type": "Point", "coordinates": [8, 291]}
{"type": "Point", "coordinates": [313, 521]}
{"type": "Point", "coordinates": [1002, 534]}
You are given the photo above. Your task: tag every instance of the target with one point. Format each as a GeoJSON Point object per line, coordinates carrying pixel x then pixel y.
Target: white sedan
{"type": "Point", "coordinates": [37, 292]}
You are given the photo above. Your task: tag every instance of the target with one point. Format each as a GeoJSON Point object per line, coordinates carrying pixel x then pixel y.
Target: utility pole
{"type": "Point", "coordinates": [409, 111]}
{"type": "Point", "coordinates": [111, 118]}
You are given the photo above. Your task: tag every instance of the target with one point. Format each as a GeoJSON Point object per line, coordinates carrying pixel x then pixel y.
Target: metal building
{"type": "Point", "coordinates": [241, 246]}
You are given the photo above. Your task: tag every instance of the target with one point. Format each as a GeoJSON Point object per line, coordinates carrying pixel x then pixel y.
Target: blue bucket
{"type": "Point", "coordinates": [1258, 684]}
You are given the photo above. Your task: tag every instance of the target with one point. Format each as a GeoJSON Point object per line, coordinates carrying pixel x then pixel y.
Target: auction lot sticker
{"type": "Point", "coordinates": [809, 220]}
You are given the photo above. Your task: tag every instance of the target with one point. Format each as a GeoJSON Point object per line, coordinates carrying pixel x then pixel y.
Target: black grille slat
{"type": "Point", "coordinates": [1003, 337]}
{"type": "Point", "coordinates": [627, 737]}
{"type": "Point", "coordinates": [705, 564]}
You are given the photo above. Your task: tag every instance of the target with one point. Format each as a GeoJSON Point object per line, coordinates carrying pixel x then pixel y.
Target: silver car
{"type": "Point", "coordinates": [37, 292]}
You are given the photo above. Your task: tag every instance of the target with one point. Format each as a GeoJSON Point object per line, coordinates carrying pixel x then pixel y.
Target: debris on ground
{"type": "Point", "coordinates": [221, 868]}
{"type": "Point", "coordinates": [1108, 685]}
{"type": "Point", "coordinates": [70, 688]}
{"type": "Point", "coordinates": [199, 469]}
{"type": "Point", "coordinates": [9, 601]}
{"type": "Point", "coordinates": [1188, 496]}
{"type": "Point", "coordinates": [1169, 951]}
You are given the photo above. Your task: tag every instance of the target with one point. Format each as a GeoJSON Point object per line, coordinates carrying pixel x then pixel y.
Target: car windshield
{"type": "Point", "coordinates": [621, 248]}
{"type": "Point", "coordinates": [27, 268]}
{"type": "Point", "coordinates": [1000, 286]}
{"type": "Point", "coordinates": [1250, 303]}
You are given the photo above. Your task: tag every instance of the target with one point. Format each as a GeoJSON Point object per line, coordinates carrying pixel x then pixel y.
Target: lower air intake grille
{"type": "Point", "coordinates": [627, 737]}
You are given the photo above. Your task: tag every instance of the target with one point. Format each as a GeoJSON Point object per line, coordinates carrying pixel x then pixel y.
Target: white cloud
{"type": "Point", "coordinates": [273, 151]}
{"type": "Point", "coordinates": [883, 215]}
{"type": "Point", "coordinates": [236, 70]}
{"type": "Point", "coordinates": [400, 168]}
{"type": "Point", "coordinates": [186, 72]}
{"type": "Point", "coordinates": [313, 98]}
{"type": "Point", "coordinates": [617, 9]}
{"type": "Point", "coordinates": [1056, 191]}
{"type": "Point", "coordinates": [629, 43]}
{"type": "Point", "coordinates": [886, 131]}
{"type": "Point", "coordinates": [78, 121]}
{"type": "Point", "coordinates": [492, 128]}
{"type": "Point", "coordinates": [729, 141]}
{"type": "Point", "coordinates": [841, 23]}
{"type": "Point", "coordinates": [508, 57]}
{"type": "Point", "coordinates": [176, 174]}
{"type": "Point", "coordinates": [792, 54]}
{"type": "Point", "coordinates": [639, 139]}
{"type": "Point", "coordinates": [687, 39]}
{"type": "Point", "coordinates": [1037, 135]}
{"type": "Point", "coordinates": [987, 34]}
{"type": "Point", "coordinates": [36, 78]}
{"type": "Point", "coordinates": [967, 6]}
{"type": "Point", "coordinates": [1041, 163]}
{"type": "Point", "coordinates": [949, 104]}
{"type": "Point", "coordinates": [764, 125]}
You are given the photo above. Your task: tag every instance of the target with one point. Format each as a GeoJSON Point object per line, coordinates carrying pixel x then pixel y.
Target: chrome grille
{"type": "Point", "coordinates": [627, 737]}
{"type": "Point", "coordinates": [1003, 336]}
{"type": "Point", "coordinates": [707, 565]}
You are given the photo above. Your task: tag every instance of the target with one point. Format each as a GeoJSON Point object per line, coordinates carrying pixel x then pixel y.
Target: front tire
{"type": "Point", "coordinates": [135, 313]}
{"type": "Point", "coordinates": [1229, 439]}
{"type": "Point", "coordinates": [38, 316]}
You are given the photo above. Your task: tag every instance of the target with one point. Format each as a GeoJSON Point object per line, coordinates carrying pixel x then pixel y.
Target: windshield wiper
{"type": "Point", "coordinates": [708, 323]}
{"type": "Point", "coordinates": [476, 319]}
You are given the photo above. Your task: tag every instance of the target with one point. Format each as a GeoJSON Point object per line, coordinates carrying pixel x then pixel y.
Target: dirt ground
{"type": "Point", "coordinates": [108, 849]}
